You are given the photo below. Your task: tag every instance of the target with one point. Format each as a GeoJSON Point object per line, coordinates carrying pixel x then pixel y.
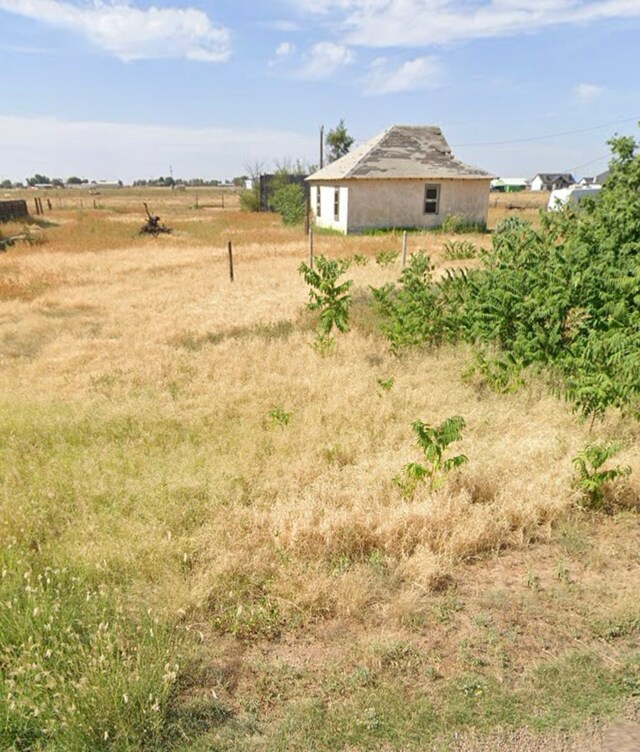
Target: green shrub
{"type": "Point", "coordinates": [459, 249]}
{"type": "Point", "coordinates": [386, 258]}
{"type": "Point", "coordinates": [249, 200]}
{"type": "Point", "coordinates": [288, 201]}
{"type": "Point", "coordinates": [591, 478]}
{"type": "Point", "coordinates": [330, 298]}
{"type": "Point", "coordinates": [567, 297]}
{"type": "Point", "coordinates": [410, 313]}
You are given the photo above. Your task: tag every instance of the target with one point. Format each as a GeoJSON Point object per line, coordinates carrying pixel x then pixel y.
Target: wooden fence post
{"type": "Point", "coordinates": [307, 224]}
{"type": "Point", "coordinates": [404, 249]}
{"type": "Point", "coordinates": [230, 248]}
{"type": "Point", "coordinates": [310, 249]}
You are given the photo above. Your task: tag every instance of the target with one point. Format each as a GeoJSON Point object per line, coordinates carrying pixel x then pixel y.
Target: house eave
{"type": "Point", "coordinates": [423, 178]}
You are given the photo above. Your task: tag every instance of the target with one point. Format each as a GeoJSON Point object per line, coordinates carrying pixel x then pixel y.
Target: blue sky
{"type": "Point", "coordinates": [125, 89]}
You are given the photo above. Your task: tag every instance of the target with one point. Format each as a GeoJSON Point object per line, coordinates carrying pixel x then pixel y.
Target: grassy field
{"type": "Point", "coordinates": [203, 547]}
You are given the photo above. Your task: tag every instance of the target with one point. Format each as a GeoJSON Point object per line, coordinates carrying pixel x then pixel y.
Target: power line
{"type": "Point", "coordinates": [548, 136]}
{"type": "Point", "coordinates": [586, 164]}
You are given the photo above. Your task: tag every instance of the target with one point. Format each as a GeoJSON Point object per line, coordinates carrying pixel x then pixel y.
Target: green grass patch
{"type": "Point", "coordinates": [78, 672]}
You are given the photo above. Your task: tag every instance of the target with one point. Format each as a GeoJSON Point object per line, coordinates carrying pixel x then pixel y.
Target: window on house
{"type": "Point", "coordinates": [336, 204]}
{"type": "Point", "coordinates": [318, 202]}
{"type": "Point", "coordinates": [431, 199]}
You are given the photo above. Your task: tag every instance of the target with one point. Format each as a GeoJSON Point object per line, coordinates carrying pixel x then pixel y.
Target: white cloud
{"type": "Point", "coordinates": [419, 73]}
{"type": "Point", "coordinates": [284, 49]}
{"type": "Point", "coordinates": [127, 151]}
{"type": "Point", "coordinates": [324, 59]}
{"type": "Point", "coordinates": [132, 33]}
{"type": "Point", "coordinates": [283, 52]}
{"type": "Point", "coordinates": [387, 23]}
{"type": "Point", "coordinates": [587, 93]}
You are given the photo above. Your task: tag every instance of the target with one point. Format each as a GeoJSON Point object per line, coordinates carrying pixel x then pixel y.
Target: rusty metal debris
{"type": "Point", "coordinates": [153, 225]}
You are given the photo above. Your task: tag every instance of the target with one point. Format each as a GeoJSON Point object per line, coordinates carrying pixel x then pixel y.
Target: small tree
{"type": "Point", "coordinates": [288, 201]}
{"type": "Point", "coordinates": [326, 295]}
{"type": "Point", "coordinates": [38, 179]}
{"type": "Point", "coordinates": [338, 142]}
{"type": "Point", "coordinates": [434, 442]}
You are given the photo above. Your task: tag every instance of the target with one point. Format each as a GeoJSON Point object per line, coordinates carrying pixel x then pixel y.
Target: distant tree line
{"type": "Point", "coordinates": [168, 182]}
{"type": "Point", "coordinates": [338, 141]}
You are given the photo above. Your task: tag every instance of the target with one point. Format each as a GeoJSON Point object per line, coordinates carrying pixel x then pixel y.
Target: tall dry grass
{"type": "Point", "coordinates": [142, 446]}
{"type": "Point", "coordinates": [157, 337]}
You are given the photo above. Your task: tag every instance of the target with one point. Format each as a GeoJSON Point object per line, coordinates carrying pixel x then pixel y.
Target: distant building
{"type": "Point", "coordinates": [509, 185]}
{"type": "Point", "coordinates": [105, 184]}
{"type": "Point", "coordinates": [404, 177]}
{"type": "Point", "coordinates": [551, 181]}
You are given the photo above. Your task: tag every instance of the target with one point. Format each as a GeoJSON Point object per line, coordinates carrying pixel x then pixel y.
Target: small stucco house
{"type": "Point", "coordinates": [404, 177]}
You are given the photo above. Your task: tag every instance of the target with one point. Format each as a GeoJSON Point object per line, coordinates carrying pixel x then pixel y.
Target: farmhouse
{"type": "Point", "coordinates": [404, 177]}
{"type": "Point", "coordinates": [551, 181]}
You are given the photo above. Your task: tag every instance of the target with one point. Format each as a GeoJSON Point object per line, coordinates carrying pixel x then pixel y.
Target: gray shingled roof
{"type": "Point", "coordinates": [550, 177]}
{"type": "Point", "coordinates": [402, 151]}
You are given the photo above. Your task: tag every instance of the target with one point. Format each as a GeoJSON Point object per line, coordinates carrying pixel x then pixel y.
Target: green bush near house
{"type": "Point", "coordinates": [288, 201]}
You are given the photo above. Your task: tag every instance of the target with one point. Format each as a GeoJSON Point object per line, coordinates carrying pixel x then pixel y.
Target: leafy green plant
{"type": "Point", "coordinates": [455, 224]}
{"type": "Point", "coordinates": [249, 200]}
{"type": "Point", "coordinates": [459, 249]}
{"type": "Point", "coordinates": [385, 384]}
{"type": "Point", "coordinates": [500, 371]}
{"type": "Point", "coordinates": [592, 479]}
{"type": "Point", "coordinates": [434, 442]}
{"type": "Point", "coordinates": [328, 296]}
{"type": "Point", "coordinates": [386, 258]}
{"type": "Point", "coordinates": [288, 201]}
{"type": "Point", "coordinates": [278, 416]}
{"type": "Point", "coordinates": [359, 260]}
{"type": "Point", "coordinates": [411, 313]}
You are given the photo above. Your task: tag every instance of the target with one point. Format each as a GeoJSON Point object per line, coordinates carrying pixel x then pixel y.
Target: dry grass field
{"type": "Point", "coordinates": [203, 544]}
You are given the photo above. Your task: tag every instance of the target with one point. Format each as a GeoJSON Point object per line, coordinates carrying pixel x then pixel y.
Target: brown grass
{"type": "Point", "coordinates": [255, 529]}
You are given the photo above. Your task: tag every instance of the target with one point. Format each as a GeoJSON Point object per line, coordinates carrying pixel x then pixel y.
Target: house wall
{"type": "Point", "coordinates": [327, 196]}
{"type": "Point", "coordinates": [400, 203]}
{"type": "Point", "coordinates": [537, 184]}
